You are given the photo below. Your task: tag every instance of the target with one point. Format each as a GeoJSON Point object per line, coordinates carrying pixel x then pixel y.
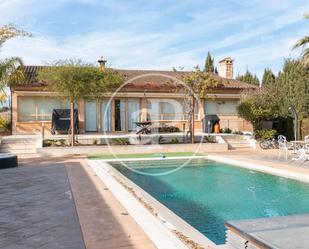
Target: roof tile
{"type": "Point", "coordinates": [139, 80]}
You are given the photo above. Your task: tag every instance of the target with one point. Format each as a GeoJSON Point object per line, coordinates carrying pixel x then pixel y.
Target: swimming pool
{"type": "Point", "coordinates": [206, 193]}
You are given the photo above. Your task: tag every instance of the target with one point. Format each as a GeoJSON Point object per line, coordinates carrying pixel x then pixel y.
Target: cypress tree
{"type": "Point", "coordinates": [268, 77]}
{"type": "Point", "coordinates": [209, 64]}
{"type": "Point", "coordinates": [249, 78]}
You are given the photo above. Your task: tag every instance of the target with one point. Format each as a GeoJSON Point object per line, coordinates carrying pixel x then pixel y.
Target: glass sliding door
{"type": "Point", "coordinates": [91, 116]}
{"type": "Point", "coordinates": [120, 115]}
{"type": "Point", "coordinates": [106, 115]}
{"type": "Point", "coordinates": [39, 108]}
{"type": "Point", "coordinates": [27, 109]}
{"type": "Point", "coordinates": [134, 112]}
{"type": "Point", "coordinates": [123, 114]}
{"type": "Point", "coordinates": [223, 107]}
{"type": "Point", "coordinates": [166, 109]}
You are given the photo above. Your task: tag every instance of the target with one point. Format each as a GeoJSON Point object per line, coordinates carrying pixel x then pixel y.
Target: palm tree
{"type": "Point", "coordinates": [9, 74]}
{"type": "Point", "coordinates": [304, 43]}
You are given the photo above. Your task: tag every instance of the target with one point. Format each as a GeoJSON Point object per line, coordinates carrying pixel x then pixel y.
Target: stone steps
{"type": "Point", "coordinates": [237, 142]}
{"type": "Point", "coordinates": [19, 145]}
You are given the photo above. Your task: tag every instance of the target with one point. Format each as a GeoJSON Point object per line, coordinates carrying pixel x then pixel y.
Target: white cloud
{"type": "Point", "coordinates": [251, 36]}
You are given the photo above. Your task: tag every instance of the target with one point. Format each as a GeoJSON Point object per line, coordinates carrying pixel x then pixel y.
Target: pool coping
{"type": "Point", "coordinates": [234, 162]}
{"type": "Point", "coordinates": [168, 219]}
{"type": "Point", "coordinates": [171, 228]}
{"type": "Point", "coordinates": [261, 168]}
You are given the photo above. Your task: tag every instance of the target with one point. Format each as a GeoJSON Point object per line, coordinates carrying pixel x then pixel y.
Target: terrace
{"type": "Point", "coordinates": [72, 181]}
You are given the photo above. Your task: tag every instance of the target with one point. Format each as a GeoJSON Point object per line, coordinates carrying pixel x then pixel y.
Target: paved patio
{"type": "Point", "coordinates": [37, 209]}
{"type": "Point", "coordinates": [60, 203]}
{"type": "Point", "coordinates": [267, 158]}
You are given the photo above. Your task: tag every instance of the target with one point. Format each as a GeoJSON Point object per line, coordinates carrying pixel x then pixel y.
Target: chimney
{"type": "Point", "coordinates": [102, 62]}
{"type": "Point", "coordinates": [226, 68]}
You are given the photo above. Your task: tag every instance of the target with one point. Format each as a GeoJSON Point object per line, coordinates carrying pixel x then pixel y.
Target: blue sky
{"type": "Point", "coordinates": [157, 34]}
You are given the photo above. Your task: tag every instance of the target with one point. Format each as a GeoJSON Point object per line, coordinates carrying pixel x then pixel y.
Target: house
{"type": "Point", "coordinates": [147, 96]}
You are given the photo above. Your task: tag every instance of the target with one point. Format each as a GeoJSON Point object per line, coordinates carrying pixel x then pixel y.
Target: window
{"type": "Point", "coordinates": [223, 107]}
{"type": "Point", "coordinates": [134, 113]}
{"type": "Point", "coordinates": [166, 109]}
{"type": "Point", "coordinates": [39, 108]}
{"type": "Point", "coordinates": [106, 115]}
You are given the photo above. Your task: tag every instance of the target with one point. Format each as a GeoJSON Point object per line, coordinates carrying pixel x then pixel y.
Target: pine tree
{"type": "Point", "coordinates": [268, 77]}
{"type": "Point", "coordinates": [292, 87]}
{"type": "Point", "coordinates": [249, 78]}
{"type": "Point", "coordinates": [209, 64]}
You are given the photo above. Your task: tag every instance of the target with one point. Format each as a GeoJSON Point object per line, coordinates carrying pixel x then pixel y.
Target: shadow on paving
{"type": "Point", "coordinates": [37, 209]}
{"type": "Point", "coordinates": [99, 218]}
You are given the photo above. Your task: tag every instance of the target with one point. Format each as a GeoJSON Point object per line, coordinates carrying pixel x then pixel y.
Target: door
{"type": "Point", "coordinates": [120, 115]}
{"type": "Point", "coordinates": [91, 116]}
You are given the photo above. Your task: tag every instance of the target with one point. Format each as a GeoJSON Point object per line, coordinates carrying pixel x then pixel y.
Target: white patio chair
{"type": "Point", "coordinates": [302, 154]}
{"type": "Point", "coordinates": [283, 147]}
{"type": "Point", "coordinates": [281, 138]}
{"type": "Point", "coordinates": [307, 139]}
{"type": "Point", "coordinates": [306, 147]}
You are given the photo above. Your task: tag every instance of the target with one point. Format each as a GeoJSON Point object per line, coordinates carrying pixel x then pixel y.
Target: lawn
{"type": "Point", "coordinates": [144, 155]}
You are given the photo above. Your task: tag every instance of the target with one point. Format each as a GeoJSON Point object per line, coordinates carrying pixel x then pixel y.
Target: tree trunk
{"type": "Point", "coordinates": [72, 125]}
{"type": "Point", "coordinates": [192, 121]}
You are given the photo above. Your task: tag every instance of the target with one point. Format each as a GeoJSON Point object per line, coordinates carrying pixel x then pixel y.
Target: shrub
{"type": "Point", "coordinates": [226, 130]}
{"type": "Point", "coordinates": [208, 139]}
{"type": "Point", "coordinates": [63, 142]}
{"type": "Point", "coordinates": [161, 140]}
{"type": "Point", "coordinates": [95, 141]}
{"type": "Point", "coordinates": [54, 142]}
{"type": "Point", "coordinates": [48, 142]}
{"type": "Point", "coordinates": [166, 129]}
{"type": "Point", "coordinates": [120, 141]}
{"type": "Point", "coordinates": [238, 132]}
{"type": "Point", "coordinates": [5, 124]}
{"type": "Point", "coordinates": [265, 134]}
{"type": "Point", "coordinates": [259, 105]}
{"type": "Point", "coordinates": [175, 141]}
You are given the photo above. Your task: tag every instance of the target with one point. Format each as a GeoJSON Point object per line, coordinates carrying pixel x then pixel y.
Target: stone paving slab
{"type": "Point", "coordinates": [105, 223]}
{"type": "Point", "coordinates": [285, 232]}
{"type": "Point", "coordinates": [37, 209]}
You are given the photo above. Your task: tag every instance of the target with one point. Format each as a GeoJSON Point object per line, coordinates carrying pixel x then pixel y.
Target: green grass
{"type": "Point", "coordinates": [145, 155]}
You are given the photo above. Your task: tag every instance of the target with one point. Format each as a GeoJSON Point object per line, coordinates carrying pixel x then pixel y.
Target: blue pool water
{"type": "Point", "coordinates": [206, 194]}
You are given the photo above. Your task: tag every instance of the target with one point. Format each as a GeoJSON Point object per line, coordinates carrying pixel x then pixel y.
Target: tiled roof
{"type": "Point", "coordinates": [138, 80]}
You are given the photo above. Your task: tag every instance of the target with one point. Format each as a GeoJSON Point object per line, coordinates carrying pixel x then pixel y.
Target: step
{"type": "Point", "coordinates": [239, 142]}
{"type": "Point", "coordinates": [233, 137]}
{"type": "Point", "coordinates": [240, 146]}
{"type": "Point", "coordinates": [231, 146]}
{"type": "Point", "coordinates": [18, 151]}
{"type": "Point", "coordinates": [18, 146]}
{"type": "Point", "coordinates": [19, 141]}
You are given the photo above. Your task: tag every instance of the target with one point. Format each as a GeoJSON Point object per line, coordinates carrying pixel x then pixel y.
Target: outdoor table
{"type": "Point", "coordinates": [297, 145]}
{"type": "Point", "coordinates": [144, 127]}
{"type": "Point", "coordinates": [300, 142]}
{"type": "Point", "coordinates": [300, 150]}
